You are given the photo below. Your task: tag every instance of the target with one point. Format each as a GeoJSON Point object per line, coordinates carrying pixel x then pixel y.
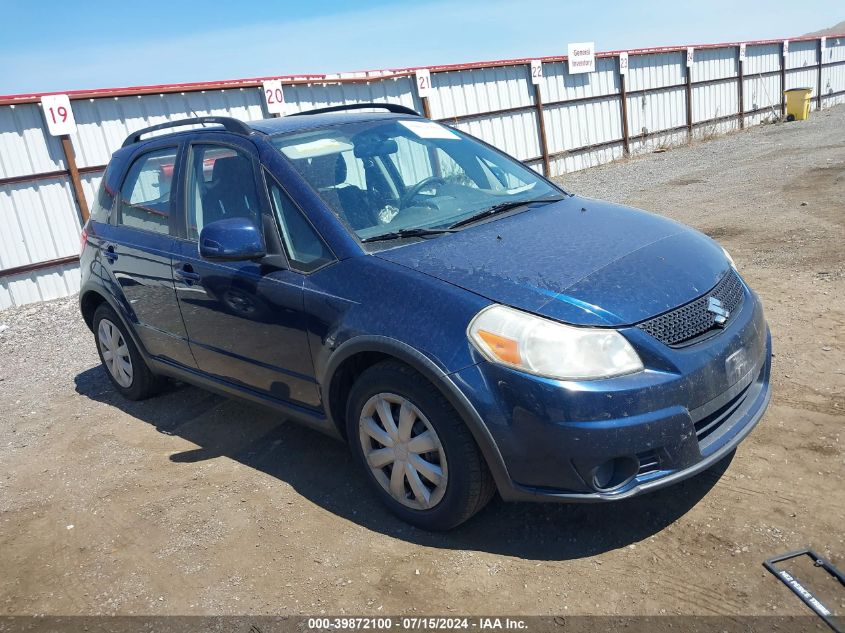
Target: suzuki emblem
{"type": "Point", "coordinates": [721, 314]}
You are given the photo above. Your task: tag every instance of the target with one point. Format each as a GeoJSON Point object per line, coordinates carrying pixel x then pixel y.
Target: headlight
{"type": "Point", "coordinates": [730, 259]}
{"type": "Point", "coordinates": [547, 348]}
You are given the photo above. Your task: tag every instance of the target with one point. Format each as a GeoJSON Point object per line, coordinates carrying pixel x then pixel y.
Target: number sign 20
{"type": "Point", "coordinates": [274, 96]}
{"type": "Point", "coordinates": [58, 114]}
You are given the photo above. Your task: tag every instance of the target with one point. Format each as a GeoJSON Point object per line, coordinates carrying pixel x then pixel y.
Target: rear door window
{"type": "Point", "coordinates": [145, 195]}
{"type": "Point", "coordinates": [221, 185]}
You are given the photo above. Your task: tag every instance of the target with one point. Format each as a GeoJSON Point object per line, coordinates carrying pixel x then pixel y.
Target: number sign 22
{"type": "Point", "coordinates": [58, 114]}
{"type": "Point", "coordinates": [274, 96]}
{"type": "Point", "coordinates": [536, 71]}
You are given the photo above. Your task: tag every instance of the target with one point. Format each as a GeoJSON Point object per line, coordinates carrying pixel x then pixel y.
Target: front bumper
{"type": "Point", "coordinates": [687, 411]}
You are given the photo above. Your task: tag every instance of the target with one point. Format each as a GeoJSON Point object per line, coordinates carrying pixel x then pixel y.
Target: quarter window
{"type": "Point", "coordinates": [305, 249]}
{"type": "Point", "coordinates": [145, 196]}
{"type": "Point", "coordinates": [221, 185]}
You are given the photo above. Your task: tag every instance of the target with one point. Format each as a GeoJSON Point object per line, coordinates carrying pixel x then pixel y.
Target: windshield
{"type": "Point", "coordinates": [396, 176]}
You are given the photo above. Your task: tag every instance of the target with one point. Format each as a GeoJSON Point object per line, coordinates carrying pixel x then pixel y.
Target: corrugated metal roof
{"type": "Point", "coordinates": [802, 54]}
{"type": "Point", "coordinates": [480, 90]}
{"type": "Point", "coordinates": [762, 59]}
{"type": "Point", "coordinates": [647, 72]}
{"type": "Point", "coordinates": [103, 124]}
{"type": "Point", "coordinates": [714, 63]}
{"type": "Point", "coordinates": [657, 111]}
{"type": "Point", "coordinates": [712, 101]}
{"type": "Point", "coordinates": [559, 85]}
{"type": "Point", "coordinates": [24, 148]}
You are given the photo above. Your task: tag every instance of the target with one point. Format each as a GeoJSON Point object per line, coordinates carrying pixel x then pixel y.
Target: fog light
{"type": "Point", "coordinates": [615, 473]}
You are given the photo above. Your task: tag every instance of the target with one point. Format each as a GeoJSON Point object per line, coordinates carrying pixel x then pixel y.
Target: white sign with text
{"type": "Point", "coordinates": [623, 63]}
{"type": "Point", "coordinates": [536, 71]}
{"type": "Point", "coordinates": [58, 114]}
{"type": "Point", "coordinates": [742, 52]}
{"type": "Point", "coordinates": [582, 58]}
{"type": "Point", "coordinates": [423, 78]}
{"type": "Point", "coordinates": [274, 96]}
{"type": "Point", "coordinates": [785, 48]}
{"type": "Point", "coordinates": [690, 56]}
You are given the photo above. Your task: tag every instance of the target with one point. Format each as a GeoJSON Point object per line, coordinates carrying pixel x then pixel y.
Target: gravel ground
{"type": "Point", "coordinates": [193, 504]}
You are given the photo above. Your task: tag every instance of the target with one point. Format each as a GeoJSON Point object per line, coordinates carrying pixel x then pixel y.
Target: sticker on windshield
{"type": "Point", "coordinates": [430, 129]}
{"type": "Point", "coordinates": [313, 149]}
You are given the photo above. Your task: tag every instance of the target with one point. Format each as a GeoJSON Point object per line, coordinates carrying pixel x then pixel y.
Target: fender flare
{"type": "Point", "coordinates": [118, 310]}
{"type": "Point", "coordinates": [437, 376]}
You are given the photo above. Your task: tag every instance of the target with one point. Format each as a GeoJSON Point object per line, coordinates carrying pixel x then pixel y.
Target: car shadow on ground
{"type": "Point", "coordinates": [321, 470]}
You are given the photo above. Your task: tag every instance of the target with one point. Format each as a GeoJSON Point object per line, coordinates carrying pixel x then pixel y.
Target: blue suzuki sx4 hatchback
{"type": "Point", "coordinates": [466, 325]}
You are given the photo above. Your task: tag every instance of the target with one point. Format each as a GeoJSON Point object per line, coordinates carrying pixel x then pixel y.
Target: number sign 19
{"type": "Point", "coordinates": [423, 78]}
{"type": "Point", "coordinates": [58, 114]}
{"type": "Point", "coordinates": [536, 71]}
{"type": "Point", "coordinates": [274, 96]}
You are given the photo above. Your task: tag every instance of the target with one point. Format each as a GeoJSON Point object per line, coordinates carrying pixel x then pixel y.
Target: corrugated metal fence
{"type": "Point", "coordinates": [565, 123]}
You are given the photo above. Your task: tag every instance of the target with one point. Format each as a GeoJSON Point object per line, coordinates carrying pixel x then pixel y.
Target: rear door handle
{"type": "Point", "coordinates": [109, 253]}
{"type": "Point", "coordinates": [187, 274]}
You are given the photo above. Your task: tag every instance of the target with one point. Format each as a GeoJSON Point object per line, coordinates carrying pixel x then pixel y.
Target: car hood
{"type": "Point", "coordinates": [580, 261]}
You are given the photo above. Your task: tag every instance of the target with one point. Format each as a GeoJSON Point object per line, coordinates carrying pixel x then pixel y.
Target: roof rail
{"type": "Point", "coordinates": [228, 123]}
{"type": "Point", "coordinates": [390, 107]}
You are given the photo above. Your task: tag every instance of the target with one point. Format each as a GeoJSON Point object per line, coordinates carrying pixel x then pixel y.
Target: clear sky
{"type": "Point", "coordinates": [53, 45]}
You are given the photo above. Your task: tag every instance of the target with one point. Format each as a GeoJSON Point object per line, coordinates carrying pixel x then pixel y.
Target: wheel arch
{"type": "Point", "coordinates": [91, 298]}
{"type": "Point", "coordinates": [89, 301]}
{"type": "Point", "coordinates": [359, 353]}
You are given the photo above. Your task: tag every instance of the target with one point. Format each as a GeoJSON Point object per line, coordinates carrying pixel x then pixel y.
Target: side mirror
{"type": "Point", "coordinates": [231, 239]}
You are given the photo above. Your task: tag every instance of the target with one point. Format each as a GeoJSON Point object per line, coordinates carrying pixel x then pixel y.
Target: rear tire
{"type": "Point", "coordinates": [396, 419]}
{"type": "Point", "coordinates": [121, 359]}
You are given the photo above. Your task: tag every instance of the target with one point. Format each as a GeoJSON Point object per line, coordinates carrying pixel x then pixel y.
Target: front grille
{"type": "Point", "coordinates": [709, 424]}
{"type": "Point", "coordinates": [649, 462]}
{"type": "Point", "coordinates": [682, 325]}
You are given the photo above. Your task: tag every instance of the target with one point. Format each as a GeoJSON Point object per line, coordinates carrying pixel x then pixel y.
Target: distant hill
{"type": "Point", "coordinates": [836, 29]}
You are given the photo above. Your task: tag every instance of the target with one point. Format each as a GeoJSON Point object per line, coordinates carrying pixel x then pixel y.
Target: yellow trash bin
{"type": "Point", "coordinates": [797, 103]}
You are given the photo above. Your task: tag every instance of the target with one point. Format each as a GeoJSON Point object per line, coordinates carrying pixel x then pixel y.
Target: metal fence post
{"type": "Point", "coordinates": [782, 80]}
{"type": "Point", "coordinates": [623, 104]}
{"type": "Point", "coordinates": [740, 87]}
{"type": "Point", "coordinates": [75, 181]}
{"type": "Point", "coordinates": [541, 129]}
{"type": "Point", "coordinates": [819, 87]}
{"type": "Point", "coordinates": [689, 103]}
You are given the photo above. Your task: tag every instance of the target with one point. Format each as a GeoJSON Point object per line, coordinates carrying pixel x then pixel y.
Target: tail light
{"type": "Point", "coordinates": [83, 239]}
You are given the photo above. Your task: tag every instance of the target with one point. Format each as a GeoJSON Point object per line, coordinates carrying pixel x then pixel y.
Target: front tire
{"type": "Point", "coordinates": [121, 359]}
{"type": "Point", "coordinates": [418, 454]}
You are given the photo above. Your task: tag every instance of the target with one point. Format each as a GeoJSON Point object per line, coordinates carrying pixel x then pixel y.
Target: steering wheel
{"type": "Point", "coordinates": [422, 185]}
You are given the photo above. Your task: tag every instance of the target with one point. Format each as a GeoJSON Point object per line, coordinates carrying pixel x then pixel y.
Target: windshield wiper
{"type": "Point", "coordinates": [418, 232]}
{"type": "Point", "coordinates": [500, 208]}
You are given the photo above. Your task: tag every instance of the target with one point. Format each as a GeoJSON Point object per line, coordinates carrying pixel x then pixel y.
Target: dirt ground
{"type": "Point", "coordinates": [193, 504]}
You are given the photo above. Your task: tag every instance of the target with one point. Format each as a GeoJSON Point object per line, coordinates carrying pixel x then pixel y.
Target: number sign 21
{"type": "Point", "coordinates": [58, 114]}
{"type": "Point", "coordinates": [423, 77]}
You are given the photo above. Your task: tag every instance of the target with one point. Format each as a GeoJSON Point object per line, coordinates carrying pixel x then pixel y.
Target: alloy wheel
{"type": "Point", "coordinates": [403, 451]}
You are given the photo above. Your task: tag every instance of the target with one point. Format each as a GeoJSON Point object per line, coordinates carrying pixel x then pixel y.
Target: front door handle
{"type": "Point", "coordinates": [187, 274]}
{"type": "Point", "coordinates": [110, 254]}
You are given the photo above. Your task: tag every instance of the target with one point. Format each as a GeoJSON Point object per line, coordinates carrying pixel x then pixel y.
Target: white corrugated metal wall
{"type": "Point", "coordinates": [582, 116]}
